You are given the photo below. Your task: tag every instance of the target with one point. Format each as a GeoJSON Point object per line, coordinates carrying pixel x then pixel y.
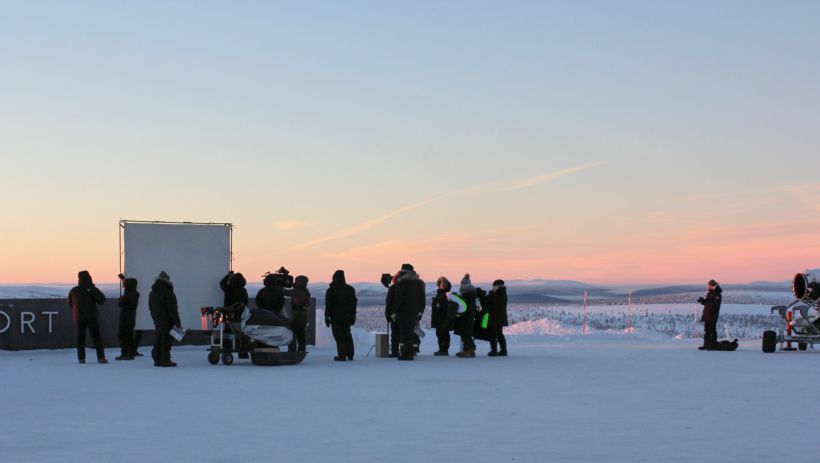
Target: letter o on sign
{"type": "Point", "coordinates": [7, 325]}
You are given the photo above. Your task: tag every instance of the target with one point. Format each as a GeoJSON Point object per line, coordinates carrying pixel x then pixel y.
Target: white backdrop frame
{"type": "Point", "coordinates": [189, 318]}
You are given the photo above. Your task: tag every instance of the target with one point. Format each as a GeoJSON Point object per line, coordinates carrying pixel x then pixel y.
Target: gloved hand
{"type": "Point", "coordinates": [393, 318]}
{"type": "Point", "coordinates": [701, 300]}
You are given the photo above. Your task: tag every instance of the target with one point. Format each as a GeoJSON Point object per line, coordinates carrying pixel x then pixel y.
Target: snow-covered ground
{"type": "Point", "coordinates": [560, 396]}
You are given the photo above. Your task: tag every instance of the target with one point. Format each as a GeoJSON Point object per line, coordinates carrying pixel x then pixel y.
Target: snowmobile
{"type": "Point", "coordinates": [259, 333]}
{"type": "Point", "coordinates": [800, 320]}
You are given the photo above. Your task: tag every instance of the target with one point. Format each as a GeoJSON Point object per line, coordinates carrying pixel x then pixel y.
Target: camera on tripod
{"type": "Point", "coordinates": [281, 278]}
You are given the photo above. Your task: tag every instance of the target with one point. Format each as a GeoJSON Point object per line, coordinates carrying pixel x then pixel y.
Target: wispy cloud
{"type": "Point", "coordinates": [517, 185]}
{"type": "Point", "coordinates": [548, 177]}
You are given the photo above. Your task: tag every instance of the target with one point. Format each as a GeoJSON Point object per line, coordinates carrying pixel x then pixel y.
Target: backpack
{"type": "Point", "coordinates": [726, 345]}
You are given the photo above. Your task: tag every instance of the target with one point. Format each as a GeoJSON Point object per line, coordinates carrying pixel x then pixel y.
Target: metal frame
{"type": "Point", "coordinates": [126, 221]}
{"type": "Point", "coordinates": [801, 307]}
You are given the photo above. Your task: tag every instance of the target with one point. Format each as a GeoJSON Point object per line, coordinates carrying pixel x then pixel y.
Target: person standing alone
{"type": "Point", "coordinates": [340, 314]}
{"type": "Point", "coordinates": [164, 310]}
{"type": "Point", "coordinates": [711, 311]}
{"type": "Point", "coordinates": [84, 299]}
{"type": "Point", "coordinates": [128, 303]}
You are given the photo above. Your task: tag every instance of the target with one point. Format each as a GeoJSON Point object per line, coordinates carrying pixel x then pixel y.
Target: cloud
{"type": "Point", "coordinates": [548, 177]}
{"type": "Point", "coordinates": [520, 184]}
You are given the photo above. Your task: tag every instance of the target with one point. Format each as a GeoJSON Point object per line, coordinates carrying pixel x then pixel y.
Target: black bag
{"type": "Point", "coordinates": [726, 345]}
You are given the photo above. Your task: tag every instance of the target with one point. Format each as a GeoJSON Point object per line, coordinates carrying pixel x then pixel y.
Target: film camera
{"type": "Point", "coordinates": [281, 278]}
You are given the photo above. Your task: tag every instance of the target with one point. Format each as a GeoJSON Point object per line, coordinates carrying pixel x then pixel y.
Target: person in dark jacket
{"type": "Point", "coordinates": [233, 286]}
{"type": "Point", "coordinates": [438, 316]}
{"type": "Point", "coordinates": [389, 282]}
{"type": "Point", "coordinates": [466, 322]}
{"type": "Point", "coordinates": [271, 297]}
{"type": "Point", "coordinates": [300, 301]}
{"type": "Point", "coordinates": [408, 307]}
{"type": "Point", "coordinates": [84, 299]}
{"type": "Point", "coordinates": [340, 314]}
{"type": "Point", "coordinates": [495, 303]}
{"type": "Point", "coordinates": [711, 312]}
{"type": "Point", "coordinates": [128, 303]}
{"type": "Point", "coordinates": [162, 303]}
{"type": "Point", "coordinates": [236, 296]}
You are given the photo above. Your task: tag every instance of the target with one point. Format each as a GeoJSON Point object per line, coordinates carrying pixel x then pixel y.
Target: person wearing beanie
{"type": "Point", "coordinates": [340, 315]}
{"type": "Point", "coordinates": [465, 324]}
{"type": "Point", "coordinates": [128, 303]}
{"type": "Point", "coordinates": [162, 302]}
{"type": "Point", "coordinates": [389, 281]}
{"type": "Point", "coordinates": [711, 312]}
{"type": "Point", "coordinates": [300, 301]}
{"type": "Point", "coordinates": [495, 303]}
{"type": "Point", "coordinates": [84, 299]}
{"type": "Point", "coordinates": [408, 308]}
{"type": "Point", "coordinates": [438, 316]}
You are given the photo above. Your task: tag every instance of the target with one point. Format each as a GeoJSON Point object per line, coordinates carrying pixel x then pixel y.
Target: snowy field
{"type": "Point", "coordinates": [562, 397]}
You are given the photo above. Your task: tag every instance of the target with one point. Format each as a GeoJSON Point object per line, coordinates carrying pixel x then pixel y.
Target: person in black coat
{"type": "Point", "coordinates": [340, 314]}
{"type": "Point", "coordinates": [495, 303]}
{"type": "Point", "coordinates": [84, 299]}
{"type": "Point", "coordinates": [233, 286]}
{"type": "Point", "coordinates": [465, 325]}
{"type": "Point", "coordinates": [300, 301]}
{"type": "Point", "coordinates": [389, 282]}
{"type": "Point", "coordinates": [162, 302]}
{"type": "Point", "coordinates": [711, 312]}
{"type": "Point", "coordinates": [128, 303]}
{"type": "Point", "coordinates": [236, 297]}
{"type": "Point", "coordinates": [408, 307]}
{"type": "Point", "coordinates": [438, 316]}
{"type": "Point", "coordinates": [271, 297]}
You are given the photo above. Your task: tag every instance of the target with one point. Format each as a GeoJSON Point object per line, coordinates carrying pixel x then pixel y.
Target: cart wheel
{"type": "Point", "coordinates": [213, 357]}
{"type": "Point", "coordinates": [802, 346]}
{"type": "Point", "coordinates": [769, 341]}
{"type": "Point", "coordinates": [227, 358]}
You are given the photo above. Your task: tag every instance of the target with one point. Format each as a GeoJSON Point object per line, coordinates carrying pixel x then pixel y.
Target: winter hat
{"type": "Point", "coordinates": [466, 285]}
{"type": "Point", "coordinates": [301, 280]}
{"type": "Point", "coordinates": [407, 268]}
{"type": "Point", "coordinates": [498, 283]}
{"type": "Point", "coordinates": [713, 283]}
{"type": "Point", "coordinates": [386, 279]}
{"type": "Point", "coordinates": [163, 277]}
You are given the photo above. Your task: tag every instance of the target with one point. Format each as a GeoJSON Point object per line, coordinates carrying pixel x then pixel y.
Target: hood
{"type": "Point", "coordinates": [301, 281]}
{"type": "Point", "coordinates": [269, 281]}
{"type": "Point", "coordinates": [447, 285]}
{"type": "Point", "coordinates": [339, 278]}
{"type": "Point", "coordinates": [84, 279]}
{"type": "Point", "coordinates": [130, 284]}
{"type": "Point", "coordinates": [237, 280]}
{"type": "Point", "coordinates": [409, 275]}
{"type": "Point", "coordinates": [717, 289]}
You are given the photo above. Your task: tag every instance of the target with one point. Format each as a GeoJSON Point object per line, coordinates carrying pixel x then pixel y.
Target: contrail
{"type": "Point", "coordinates": [518, 185]}
{"type": "Point", "coordinates": [532, 181]}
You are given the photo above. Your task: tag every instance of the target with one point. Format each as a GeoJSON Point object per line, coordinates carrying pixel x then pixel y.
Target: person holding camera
{"type": "Point", "coordinates": [408, 307]}
{"type": "Point", "coordinates": [162, 302]}
{"type": "Point", "coordinates": [711, 311]}
{"type": "Point", "coordinates": [340, 314]}
{"type": "Point", "coordinates": [84, 299]}
{"type": "Point", "coordinates": [300, 301]}
{"type": "Point", "coordinates": [271, 297]}
{"type": "Point", "coordinates": [127, 303]}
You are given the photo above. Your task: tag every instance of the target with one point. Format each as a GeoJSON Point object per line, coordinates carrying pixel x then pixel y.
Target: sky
{"type": "Point", "coordinates": [612, 142]}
